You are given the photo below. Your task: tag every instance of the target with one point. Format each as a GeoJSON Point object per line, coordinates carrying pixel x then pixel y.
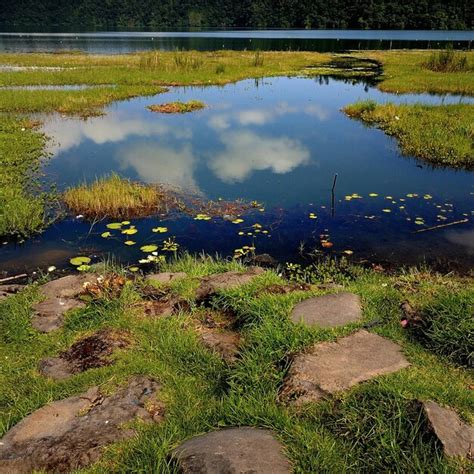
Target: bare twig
{"type": "Point", "coordinates": [16, 277]}
{"type": "Point", "coordinates": [440, 226]}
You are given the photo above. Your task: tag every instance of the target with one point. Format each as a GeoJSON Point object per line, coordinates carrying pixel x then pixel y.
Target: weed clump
{"type": "Point", "coordinates": [177, 107]}
{"type": "Point", "coordinates": [447, 60]}
{"type": "Point", "coordinates": [114, 197]}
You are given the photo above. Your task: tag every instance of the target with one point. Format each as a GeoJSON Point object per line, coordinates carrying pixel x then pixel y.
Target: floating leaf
{"type": "Point", "coordinates": [149, 248]}
{"type": "Point", "coordinates": [386, 210]}
{"type": "Point", "coordinates": [160, 230]}
{"type": "Point", "coordinates": [241, 233]}
{"type": "Point", "coordinates": [125, 222]}
{"type": "Point", "coordinates": [129, 242]}
{"type": "Point", "coordinates": [134, 269]}
{"type": "Point", "coordinates": [170, 245]}
{"type": "Point", "coordinates": [129, 231]}
{"type": "Point", "coordinates": [105, 235]}
{"type": "Point", "coordinates": [77, 261]}
{"type": "Point", "coordinates": [372, 195]}
{"type": "Point", "coordinates": [114, 225]}
{"type": "Point", "coordinates": [348, 252]}
{"type": "Point", "coordinates": [237, 221]}
{"type": "Point", "coordinates": [83, 268]}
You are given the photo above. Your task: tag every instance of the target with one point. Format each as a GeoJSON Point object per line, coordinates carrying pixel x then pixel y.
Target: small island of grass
{"type": "Point", "coordinates": [177, 107]}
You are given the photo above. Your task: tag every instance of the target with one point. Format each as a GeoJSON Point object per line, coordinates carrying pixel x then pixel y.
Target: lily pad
{"type": "Point", "coordinates": [105, 235]}
{"type": "Point", "coordinates": [149, 248]}
{"type": "Point", "coordinates": [78, 261]}
{"type": "Point", "coordinates": [129, 231]}
{"type": "Point", "coordinates": [114, 225]}
{"type": "Point", "coordinates": [83, 268]}
{"type": "Point", "coordinates": [129, 242]}
{"type": "Point", "coordinates": [160, 230]}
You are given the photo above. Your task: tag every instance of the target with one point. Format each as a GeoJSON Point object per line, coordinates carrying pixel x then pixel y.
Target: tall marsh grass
{"type": "Point", "coordinates": [113, 197]}
{"type": "Point", "coordinates": [448, 60]}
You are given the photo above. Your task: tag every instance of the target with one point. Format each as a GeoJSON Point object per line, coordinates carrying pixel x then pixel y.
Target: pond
{"type": "Point", "coordinates": [278, 141]}
{"type": "Point", "coordinates": [113, 42]}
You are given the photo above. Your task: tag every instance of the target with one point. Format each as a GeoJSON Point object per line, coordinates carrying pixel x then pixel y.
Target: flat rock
{"type": "Point", "coordinates": [330, 367]}
{"type": "Point", "coordinates": [225, 281]}
{"type": "Point", "coordinates": [88, 353]}
{"type": "Point", "coordinates": [8, 290]}
{"type": "Point", "coordinates": [59, 296]}
{"type": "Point", "coordinates": [456, 436]}
{"type": "Point", "coordinates": [232, 450]}
{"type": "Point", "coordinates": [166, 277]}
{"type": "Point", "coordinates": [328, 311]}
{"type": "Point", "coordinates": [70, 434]}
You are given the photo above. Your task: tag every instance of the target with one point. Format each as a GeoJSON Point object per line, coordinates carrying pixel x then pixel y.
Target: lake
{"type": "Point", "coordinates": [115, 42]}
{"type": "Point", "coordinates": [278, 141]}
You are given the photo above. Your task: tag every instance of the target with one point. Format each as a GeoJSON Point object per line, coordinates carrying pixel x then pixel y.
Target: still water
{"type": "Point", "coordinates": [278, 141]}
{"type": "Point", "coordinates": [309, 40]}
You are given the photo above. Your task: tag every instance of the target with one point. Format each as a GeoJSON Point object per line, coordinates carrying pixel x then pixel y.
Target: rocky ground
{"type": "Point", "coordinates": [259, 358]}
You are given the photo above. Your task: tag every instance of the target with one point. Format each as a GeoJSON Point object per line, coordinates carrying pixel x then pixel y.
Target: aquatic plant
{"type": "Point", "coordinates": [177, 107]}
{"type": "Point", "coordinates": [114, 196]}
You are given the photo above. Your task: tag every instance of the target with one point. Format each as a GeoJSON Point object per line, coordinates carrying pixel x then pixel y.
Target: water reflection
{"type": "Point", "coordinates": [278, 141]}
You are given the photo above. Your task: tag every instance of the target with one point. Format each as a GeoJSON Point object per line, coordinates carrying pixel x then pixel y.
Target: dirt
{"type": "Point", "coordinates": [88, 353]}
{"type": "Point", "coordinates": [160, 302]}
{"type": "Point", "coordinates": [8, 290]}
{"type": "Point", "coordinates": [286, 289]}
{"type": "Point", "coordinates": [72, 433]}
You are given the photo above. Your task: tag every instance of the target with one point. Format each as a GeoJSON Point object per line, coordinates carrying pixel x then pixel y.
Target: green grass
{"type": "Point", "coordinates": [441, 135]}
{"type": "Point", "coordinates": [448, 60]}
{"type": "Point", "coordinates": [21, 204]}
{"type": "Point", "coordinates": [375, 427]}
{"type": "Point", "coordinates": [114, 197]}
{"type": "Point", "coordinates": [177, 107]}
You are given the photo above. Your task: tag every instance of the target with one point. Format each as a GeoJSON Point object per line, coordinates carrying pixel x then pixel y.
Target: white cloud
{"type": "Point", "coordinates": [246, 152]}
{"type": "Point", "coordinates": [161, 164]}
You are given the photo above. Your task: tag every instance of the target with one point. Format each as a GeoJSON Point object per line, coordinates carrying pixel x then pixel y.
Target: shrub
{"type": "Point", "coordinates": [447, 60]}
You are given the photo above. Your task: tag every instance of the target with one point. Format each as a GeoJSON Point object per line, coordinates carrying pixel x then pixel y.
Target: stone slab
{"type": "Point", "coordinates": [331, 367]}
{"type": "Point", "coordinates": [328, 311]}
{"type": "Point", "coordinates": [232, 450]}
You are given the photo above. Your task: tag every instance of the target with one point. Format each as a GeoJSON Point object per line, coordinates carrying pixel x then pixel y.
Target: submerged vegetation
{"type": "Point", "coordinates": [114, 197]}
{"type": "Point", "coordinates": [377, 423]}
{"type": "Point", "coordinates": [177, 107]}
{"type": "Point", "coordinates": [441, 134]}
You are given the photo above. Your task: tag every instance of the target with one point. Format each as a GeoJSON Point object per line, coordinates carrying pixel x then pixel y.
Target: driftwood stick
{"type": "Point", "coordinates": [440, 226]}
{"type": "Point", "coordinates": [16, 277]}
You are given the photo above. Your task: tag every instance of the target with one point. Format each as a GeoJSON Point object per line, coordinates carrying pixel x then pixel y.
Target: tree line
{"type": "Point", "coordinates": [357, 14]}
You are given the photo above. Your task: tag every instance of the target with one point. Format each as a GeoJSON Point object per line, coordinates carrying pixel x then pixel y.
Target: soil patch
{"type": "Point", "coordinates": [88, 353]}
{"type": "Point", "coordinates": [8, 290]}
{"type": "Point", "coordinates": [70, 434]}
{"type": "Point", "coordinates": [330, 367]}
{"type": "Point", "coordinates": [232, 450]}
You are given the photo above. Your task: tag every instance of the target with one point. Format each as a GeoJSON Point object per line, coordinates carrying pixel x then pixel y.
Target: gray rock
{"type": "Point", "coordinates": [8, 290]}
{"type": "Point", "coordinates": [59, 297]}
{"type": "Point", "coordinates": [328, 311]}
{"type": "Point", "coordinates": [232, 450]}
{"type": "Point", "coordinates": [456, 436]}
{"type": "Point", "coordinates": [166, 277]}
{"type": "Point", "coordinates": [225, 281]}
{"type": "Point", "coordinates": [71, 433]}
{"type": "Point", "coordinates": [330, 367]}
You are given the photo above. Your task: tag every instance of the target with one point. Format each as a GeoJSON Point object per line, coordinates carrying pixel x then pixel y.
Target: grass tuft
{"type": "Point", "coordinates": [177, 107]}
{"type": "Point", "coordinates": [114, 197]}
{"type": "Point", "coordinates": [448, 60]}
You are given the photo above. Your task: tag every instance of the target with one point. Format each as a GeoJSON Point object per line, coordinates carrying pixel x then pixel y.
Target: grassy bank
{"type": "Point", "coordinates": [21, 150]}
{"type": "Point", "coordinates": [441, 135]}
{"type": "Point", "coordinates": [120, 77]}
{"type": "Point", "coordinates": [373, 427]}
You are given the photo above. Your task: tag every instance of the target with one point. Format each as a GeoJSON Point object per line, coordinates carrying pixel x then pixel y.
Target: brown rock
{"type": "Point", "coordinates": [87, 353]}
{"type": "Point", "coordinates": [60, 296]}
{"type": "Point", "coordinates": [331, 367]}
{"type": "Point", "coordinates": [222, 341]}
{"type": "Point", "coordinates": [71, 433]}
{"type": "Point", "coordinates": [232, 450]}
{"type": "Point", "coordinates": [166, 277]}
{"type": "Point", "coordinates": [8, 290]}
{"type": "Point", "coordinates": [225, 281]}
{"type": "Point", "coordinates": [456, 436]}
{"type": "Point", "coordinates": [328, 311]}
